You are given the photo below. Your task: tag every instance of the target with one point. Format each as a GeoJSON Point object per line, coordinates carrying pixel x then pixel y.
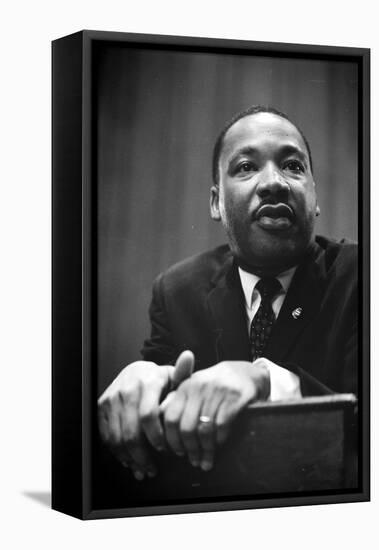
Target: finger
{"type": "Point", "coordinates": [103, 425]}
{"type": "Point", "coordinates": [226, 413]}
{"type": "Point", "coordinates": [115, 442]}
{"type": "Point", "coordinates": [207, 430]}
{"type": "Point", "coordinates": [149, 416]}
{"type": "Point", "coordinates": [126, 461]}
{"type": "Point", "coordinates": [133, 441]}
{"type": "Point", "coordinates": [189, 427]}
{"type": "Point", "coordinates": [114, 429]}
{"type": "Point", "coordinates": [129, 464]}
{"type": "Point", "coordinates": [183, 368]}
{"type": "Point", "coordinates": [166, 401]}
{"type": "Point", "coordinates": [139, 459]}
{"type": "Point", "coordinates": [120, 454]}
{"type": "Point", "coordinates": [171, 420]}
{"type": "Point", "coordinates": [110, 429]}
{"type": "Point", "coordinates": [123, 457]}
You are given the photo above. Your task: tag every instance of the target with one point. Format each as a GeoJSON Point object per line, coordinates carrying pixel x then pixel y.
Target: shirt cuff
{"type": "Point", "coordinates": [284, 384]}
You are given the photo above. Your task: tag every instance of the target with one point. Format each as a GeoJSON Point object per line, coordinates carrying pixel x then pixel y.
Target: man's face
{"type": "Point", "coordinates": [266, 196]}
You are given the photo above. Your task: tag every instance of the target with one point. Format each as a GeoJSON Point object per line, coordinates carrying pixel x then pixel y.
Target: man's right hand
{"type": "Point", "coordinates": [129, 411]}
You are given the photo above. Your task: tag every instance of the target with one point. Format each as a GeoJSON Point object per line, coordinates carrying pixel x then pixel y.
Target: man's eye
{"type": "Point", "coordinates": [294, 166]}
{"type": "Point", "coordinates": [245, 167]}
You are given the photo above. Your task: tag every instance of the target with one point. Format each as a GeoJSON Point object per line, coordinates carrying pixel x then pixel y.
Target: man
{"type": "Point", "coordinates": [271, 316]}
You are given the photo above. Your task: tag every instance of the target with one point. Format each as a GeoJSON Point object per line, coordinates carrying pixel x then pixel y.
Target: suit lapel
{"type": "Point", "coordinates": [228, 317]}
{"type": "Point", "coordinates": [300, 306]}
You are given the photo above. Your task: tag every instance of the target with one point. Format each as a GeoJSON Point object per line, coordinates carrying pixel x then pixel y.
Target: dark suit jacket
{"type": "Point", "coordinates": [198, 304]}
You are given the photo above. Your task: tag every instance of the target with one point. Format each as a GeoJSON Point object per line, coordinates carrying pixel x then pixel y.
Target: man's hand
{"type": "Point", "coordinates": [198, 415]}
{"type": "Point", "coordinates": [129, 411]}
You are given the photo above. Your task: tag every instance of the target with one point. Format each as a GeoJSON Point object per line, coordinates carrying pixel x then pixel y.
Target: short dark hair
{"type": "Point", "coordinates": [253, 110]}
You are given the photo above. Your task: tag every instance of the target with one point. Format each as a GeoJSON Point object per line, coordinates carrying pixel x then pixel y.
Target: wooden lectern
{"type": "Point", "coordinates": [307, 445]}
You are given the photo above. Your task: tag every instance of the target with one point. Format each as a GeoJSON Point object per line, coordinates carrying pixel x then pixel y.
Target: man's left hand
{"type": "Point", "coordinates": [198, 415]}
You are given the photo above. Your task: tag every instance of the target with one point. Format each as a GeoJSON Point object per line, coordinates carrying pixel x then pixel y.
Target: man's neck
{"type": "Point", "coordinates": [275, 269]}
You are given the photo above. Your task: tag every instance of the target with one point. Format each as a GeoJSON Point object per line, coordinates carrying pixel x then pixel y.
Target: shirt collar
{"type": "Point", "coordinates": [249, 280]}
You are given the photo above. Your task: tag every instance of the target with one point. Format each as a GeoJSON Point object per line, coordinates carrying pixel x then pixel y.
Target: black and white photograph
{"type": "Point", "coordinates": [189, 265]}
{"type": "Point", "coordinates": [227, 365]}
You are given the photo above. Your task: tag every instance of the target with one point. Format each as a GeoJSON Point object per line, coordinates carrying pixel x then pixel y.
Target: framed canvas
{"type": "Point", "coordinates": [135, 121]}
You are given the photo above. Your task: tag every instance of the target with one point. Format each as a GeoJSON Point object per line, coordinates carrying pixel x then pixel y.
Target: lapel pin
{"type": "Point", "coordinates": [297, 312]}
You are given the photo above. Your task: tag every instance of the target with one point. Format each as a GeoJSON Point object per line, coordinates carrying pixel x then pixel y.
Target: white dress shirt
{"type": "Point", "coordinates": [284, 384]}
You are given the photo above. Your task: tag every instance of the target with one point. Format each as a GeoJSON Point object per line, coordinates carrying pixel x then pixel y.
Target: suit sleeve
{"type": "Point", "coordinates": [349, 380]}
{"type": "Point", "coordinates": [309, 385]}
{"type": "Point", "coordinates": [345, 379]}
{"type": "Point", "coordinates": [159, 347]}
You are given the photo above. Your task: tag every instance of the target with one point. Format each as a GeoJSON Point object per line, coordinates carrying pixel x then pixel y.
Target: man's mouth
{"type": "Point", "coordinates": [275, 217]}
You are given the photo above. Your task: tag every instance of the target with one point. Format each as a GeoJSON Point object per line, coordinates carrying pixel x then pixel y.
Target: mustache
{"type": "Point", "coordinates": [274, 209]}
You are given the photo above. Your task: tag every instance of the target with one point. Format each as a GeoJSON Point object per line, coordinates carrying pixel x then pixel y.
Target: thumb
{"type": "Point", "coordinates": [183, 368]}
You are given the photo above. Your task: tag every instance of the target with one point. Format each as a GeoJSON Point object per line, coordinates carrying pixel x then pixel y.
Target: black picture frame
{"type": "Point", "coordinates": [74, 268]}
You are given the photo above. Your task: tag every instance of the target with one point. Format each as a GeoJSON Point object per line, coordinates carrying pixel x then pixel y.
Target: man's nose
{"type": "Point", "coordinates": [271, 182]}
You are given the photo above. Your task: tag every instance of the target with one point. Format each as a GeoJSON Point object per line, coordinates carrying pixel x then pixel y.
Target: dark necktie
{"type": "Point", "coordinates": [261, 325]}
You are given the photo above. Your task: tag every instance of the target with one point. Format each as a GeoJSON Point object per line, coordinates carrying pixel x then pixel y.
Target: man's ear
{"type": "Point", "coordinates": [215, 203]}
{"type": "Point", "coordinates": [318, 211]}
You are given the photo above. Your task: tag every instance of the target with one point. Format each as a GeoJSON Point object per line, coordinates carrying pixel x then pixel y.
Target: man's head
{"type": "Point", "coordinates": [263, 191]}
